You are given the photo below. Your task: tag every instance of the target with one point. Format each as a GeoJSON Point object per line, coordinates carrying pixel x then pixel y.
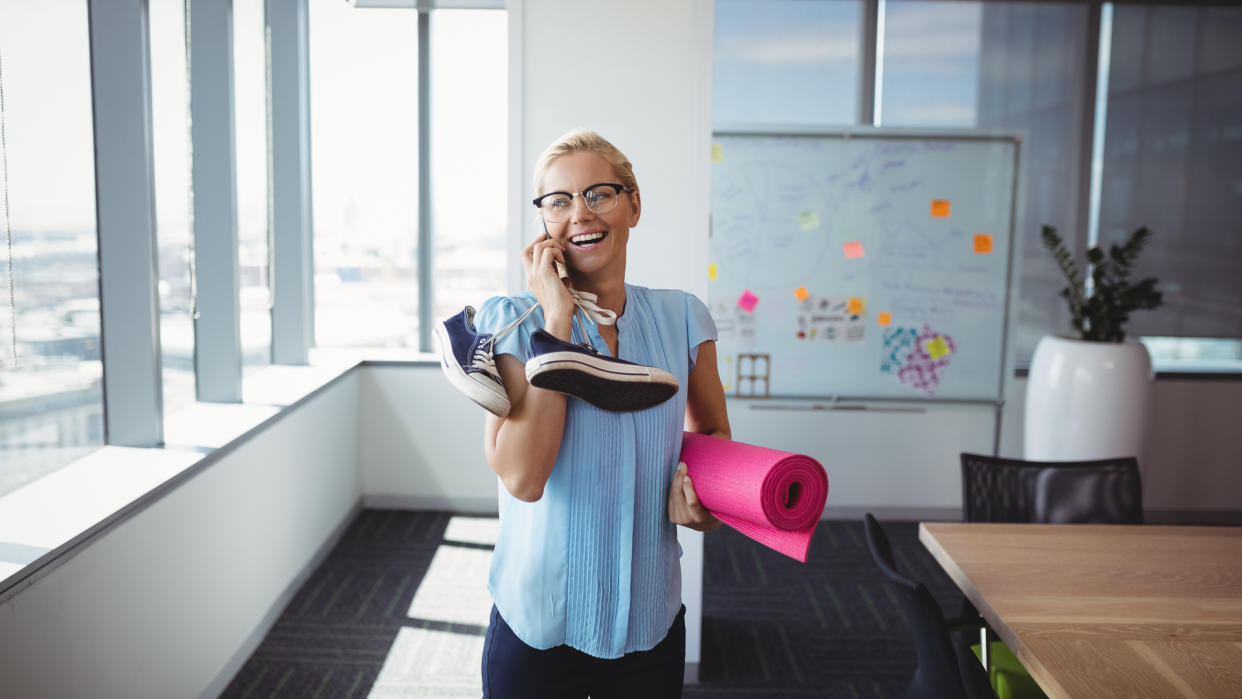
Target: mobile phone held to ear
{"type": "Point", "coordinates": [560, 266]}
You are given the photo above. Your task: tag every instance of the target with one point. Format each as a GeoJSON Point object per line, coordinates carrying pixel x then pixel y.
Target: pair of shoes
{"type": "Point", "coordinates": [467, 359]}
{"type": "Point", "coordinates": [605, 382]}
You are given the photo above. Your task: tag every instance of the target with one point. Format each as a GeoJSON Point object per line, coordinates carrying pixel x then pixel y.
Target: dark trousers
{"type": "Point", "coordinates": [514, 670]}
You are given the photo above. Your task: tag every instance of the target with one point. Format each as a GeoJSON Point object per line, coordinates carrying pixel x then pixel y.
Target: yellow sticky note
{"type": "Point", "coordinates": [717, 152]}
{"type": "Point", "coordinates": [853, 249]}
{"type": "Point", "coordinates": [940, 208]}
{"type": "Point", "coordinates": [983, 243]}
{"type": "Point", "coordinates": [856, 305]}
{"type": "Point", "coordinates": [884, 318]}
{"type": "Point", "coordinates": [801, 293]}
{"type": "Point", "coordinates": [937, 348]}
{"type": "Point", "coordinates": [711, 271]}
{"type": "Point", "coordinates": [808, 220]}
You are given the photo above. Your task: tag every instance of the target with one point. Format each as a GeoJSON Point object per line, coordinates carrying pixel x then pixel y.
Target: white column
{"type": "Point", "coordinates": [217, 327]}
{"type": "Point", "coordinates": [290, 165]}
{"type": "Point", "coordinates": [125, 216]}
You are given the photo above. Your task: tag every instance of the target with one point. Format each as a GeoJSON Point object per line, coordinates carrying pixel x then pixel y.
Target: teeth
{"type": "Point", "coordinates": [586, 238]}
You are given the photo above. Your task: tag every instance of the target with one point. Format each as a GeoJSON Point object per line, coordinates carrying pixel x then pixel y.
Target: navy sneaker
{"type": "Point", "coordinates": [467, 360]}
{"type": "Point", "coordinates": [605, 382]}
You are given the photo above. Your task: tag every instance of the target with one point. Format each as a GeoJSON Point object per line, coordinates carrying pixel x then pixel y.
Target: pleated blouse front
{"type": "Point", "coordinates": [593, 564]}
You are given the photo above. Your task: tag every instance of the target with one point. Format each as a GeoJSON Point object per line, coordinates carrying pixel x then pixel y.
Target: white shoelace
{"type": "Point", "coordinates": [585, 301]}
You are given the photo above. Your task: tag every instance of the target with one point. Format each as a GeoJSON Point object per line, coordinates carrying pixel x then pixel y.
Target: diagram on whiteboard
{"type": "Point", "coordinates": [864, 265]}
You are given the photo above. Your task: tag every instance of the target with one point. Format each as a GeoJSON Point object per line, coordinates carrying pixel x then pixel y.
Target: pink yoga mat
{"type": "Point", "coordinates": [774, 497]}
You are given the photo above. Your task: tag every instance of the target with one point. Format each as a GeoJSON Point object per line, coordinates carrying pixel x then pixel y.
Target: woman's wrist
{"type": "Point", "coordinates": [559, 327]}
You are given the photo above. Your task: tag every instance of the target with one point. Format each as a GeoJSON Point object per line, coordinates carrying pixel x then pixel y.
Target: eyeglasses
{"type": "Point", "coordinates": [600, 198]}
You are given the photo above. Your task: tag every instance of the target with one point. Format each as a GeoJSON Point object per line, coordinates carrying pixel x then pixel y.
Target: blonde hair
{"type": "Point", "coordinates": [590, 142]}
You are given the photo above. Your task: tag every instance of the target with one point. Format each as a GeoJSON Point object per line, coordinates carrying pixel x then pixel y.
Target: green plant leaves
{"type": "Point", "coordinates": [1101, 316]}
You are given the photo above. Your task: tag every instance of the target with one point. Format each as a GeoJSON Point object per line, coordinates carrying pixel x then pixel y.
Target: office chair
{"type": "Point", "coordinates": [1089, 492]}
{"type": "Point", "coordinates": [946, 669]}
{"type": "Point", "coordinates": [1103, 491]}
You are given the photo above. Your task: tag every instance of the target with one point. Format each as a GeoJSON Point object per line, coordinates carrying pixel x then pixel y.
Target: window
{"type": "Point", "coordinates": [51, 402]}
{"type": "Point", "coordinates": [1031, 81]}
{"type": "Point", "coordinates": [364, 165]}
{"type": "Point", "coordinates": [250, 108]}
{"type": "Point", "coordinates": [785, 62]}
{"type": "Point", "coordinates": [170, 133]}
{"type": "Point", "coordinates": [1173, 162]}
{"type": "Point", "coordinates": [929, 69]}
{"type": "Point", "coordinates": [469, 65]}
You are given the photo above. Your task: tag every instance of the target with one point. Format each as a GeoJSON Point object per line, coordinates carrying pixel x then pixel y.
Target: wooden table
{"type": "Point", "coordinates": [1106, 611]}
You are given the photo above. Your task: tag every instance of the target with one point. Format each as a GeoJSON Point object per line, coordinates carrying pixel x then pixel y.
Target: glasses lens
{"type": "Point", "coordinates": [601, 198]}
{"type": "Point", "coordinates": [556, 207]}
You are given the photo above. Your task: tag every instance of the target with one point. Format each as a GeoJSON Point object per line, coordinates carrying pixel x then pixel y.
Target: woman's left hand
{"type": "Point", "coordinates": [684, 507]}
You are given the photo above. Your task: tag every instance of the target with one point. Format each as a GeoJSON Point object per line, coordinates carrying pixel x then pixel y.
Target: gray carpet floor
{"type": "Point", "coordinates": [399, 609]}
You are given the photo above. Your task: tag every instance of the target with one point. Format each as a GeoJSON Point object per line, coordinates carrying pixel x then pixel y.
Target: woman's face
{"type": "Point", "coordinates": [594, 243]}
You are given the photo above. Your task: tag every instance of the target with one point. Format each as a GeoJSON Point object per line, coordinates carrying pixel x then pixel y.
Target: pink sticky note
{"type": "Point", "coordinates": [748, 301]}
{"type": "Point", "coordinates": [853, 249]}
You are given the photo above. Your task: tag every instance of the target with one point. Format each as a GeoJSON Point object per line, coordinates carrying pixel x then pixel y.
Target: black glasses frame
{"type": "Point", "coordinates": [616, 188]}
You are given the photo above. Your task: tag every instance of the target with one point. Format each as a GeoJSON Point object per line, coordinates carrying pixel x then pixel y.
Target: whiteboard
{"type": "Point", "coordinates": [864, 264]}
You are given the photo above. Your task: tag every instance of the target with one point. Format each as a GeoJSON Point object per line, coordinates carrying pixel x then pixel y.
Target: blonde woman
{"type": "Point", "coordinates": [586, 576]}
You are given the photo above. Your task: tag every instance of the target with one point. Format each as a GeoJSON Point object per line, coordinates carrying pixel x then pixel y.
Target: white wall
{"type": "Point", "coordinates": [167, 603]}
{"type": "Point", "coordinates": [420, 443]}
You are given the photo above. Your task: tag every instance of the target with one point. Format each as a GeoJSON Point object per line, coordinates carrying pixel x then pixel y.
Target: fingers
{"type": "Point", "coordinates": [692, 498]}
{"type": "Point", "coordinates": [543, 254]}
{"type": "Point", "coordinates": [684, 507]}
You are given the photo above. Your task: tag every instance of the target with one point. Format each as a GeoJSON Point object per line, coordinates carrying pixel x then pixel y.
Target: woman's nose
{"type": "Point", "coordinates": [579, 209]}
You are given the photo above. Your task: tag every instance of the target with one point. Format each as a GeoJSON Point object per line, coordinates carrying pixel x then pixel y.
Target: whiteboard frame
{"type": "Point", "coordinates": [1016, 138]}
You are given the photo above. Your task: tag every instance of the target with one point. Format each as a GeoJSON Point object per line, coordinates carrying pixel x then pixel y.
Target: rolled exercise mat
{"type": "Point", "coordinates": [774, 497]}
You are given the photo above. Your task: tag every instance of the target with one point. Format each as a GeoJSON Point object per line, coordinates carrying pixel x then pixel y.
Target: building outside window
{"type": "Point", "coordinates": [364, 169]}
{"type": "Point", "coordinates": [51, 402]}
{"type": "Point", "coordinates": [250, 107]}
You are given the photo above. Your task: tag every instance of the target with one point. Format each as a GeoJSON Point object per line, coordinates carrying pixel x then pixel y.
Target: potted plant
{"type": "Point", "coordinates": [1087, 396]}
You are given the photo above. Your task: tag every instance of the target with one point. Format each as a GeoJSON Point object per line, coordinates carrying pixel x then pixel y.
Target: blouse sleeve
{"type": "Point", "coordinates": [497, 313]}
{"type": "Point", "coordinates": [699, 326]}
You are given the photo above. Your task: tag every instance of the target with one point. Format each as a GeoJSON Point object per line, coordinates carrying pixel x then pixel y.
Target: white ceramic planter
{"type": "Point", "coordinates": [1086, 400]}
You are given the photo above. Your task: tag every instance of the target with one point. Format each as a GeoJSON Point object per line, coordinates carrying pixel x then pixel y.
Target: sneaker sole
{"type": "Point", "coordinates": [620, 389]}
{"type": "Point", "coordinates": [491, 399]}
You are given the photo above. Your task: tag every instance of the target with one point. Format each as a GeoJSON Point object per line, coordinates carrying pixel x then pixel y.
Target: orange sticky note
{"type": "Point", "coordinates": [853, 249]}
{"type": "Point", "coordinates": [711, 271]}
{"type": "Point", "coordinates": [937, 348]}
{"type": "Point", "coordinates": [940, 208]}
{"type": "Point", "coordinates": [983, 243]}
{"type": "Point", "coordinates": [884, 318]}
{"type": "Point", "coordinates": [856, 305]}
{"type": "Point", "coordinates": [801, 293]}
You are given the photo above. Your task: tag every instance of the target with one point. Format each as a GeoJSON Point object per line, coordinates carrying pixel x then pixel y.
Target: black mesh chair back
{"type": "Point", "coordinates": [945, 669]}
{"type": "Point", "coordinates": [1005, 490]}
{"type": "Point", "coordinates": [1100, 493]}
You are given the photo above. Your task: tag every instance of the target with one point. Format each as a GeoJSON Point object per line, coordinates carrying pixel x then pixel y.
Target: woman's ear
{"type": "Point", "coordinates": [636, 208]}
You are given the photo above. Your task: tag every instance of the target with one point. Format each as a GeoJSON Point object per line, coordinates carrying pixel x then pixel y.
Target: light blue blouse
{"type": "Point", "coordinates": [593, 564]}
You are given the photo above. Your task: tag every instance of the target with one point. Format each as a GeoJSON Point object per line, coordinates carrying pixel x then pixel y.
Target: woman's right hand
{"type": "Point", "coordinates": [539, 260]}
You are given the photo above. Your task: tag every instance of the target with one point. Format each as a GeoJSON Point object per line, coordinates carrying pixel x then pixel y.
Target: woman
{"type": "Point", "coordinates": [585, 575]}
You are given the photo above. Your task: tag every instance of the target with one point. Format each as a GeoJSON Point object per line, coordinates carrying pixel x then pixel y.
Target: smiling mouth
{"type": "Point", "coordinates": [584, 239]}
